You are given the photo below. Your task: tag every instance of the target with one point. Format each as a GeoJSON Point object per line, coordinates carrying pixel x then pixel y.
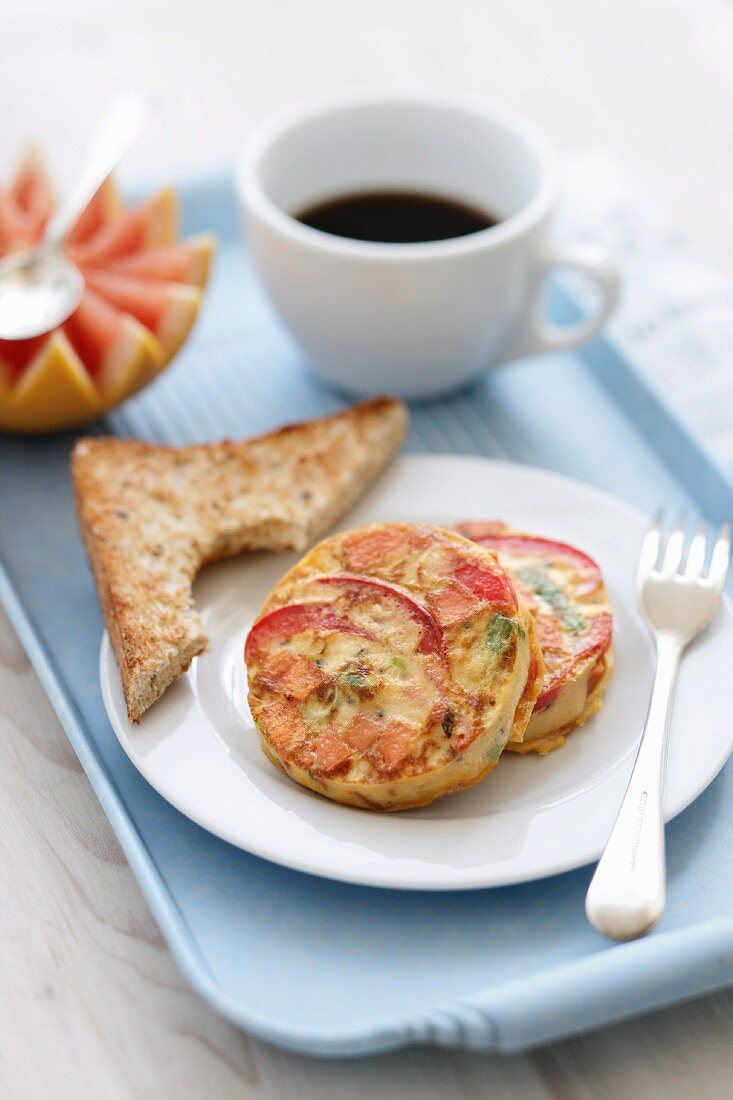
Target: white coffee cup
{"type": "Point", "coordinates": [413, 320]}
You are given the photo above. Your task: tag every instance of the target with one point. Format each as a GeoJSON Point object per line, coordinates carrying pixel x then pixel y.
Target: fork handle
{"type": "Point", "coordinates": [627, 893]}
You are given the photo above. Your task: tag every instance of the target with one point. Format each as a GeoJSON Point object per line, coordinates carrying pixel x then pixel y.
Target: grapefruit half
{"type": "Point", "coordinates": [142, 295]}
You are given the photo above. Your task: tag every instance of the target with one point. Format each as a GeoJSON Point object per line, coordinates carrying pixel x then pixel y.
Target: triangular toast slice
{"type": "Point", "coordinates": [151, 516]}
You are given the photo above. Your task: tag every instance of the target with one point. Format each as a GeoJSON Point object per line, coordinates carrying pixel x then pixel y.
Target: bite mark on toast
{"type": "Point", "coordinates": [152, 516]}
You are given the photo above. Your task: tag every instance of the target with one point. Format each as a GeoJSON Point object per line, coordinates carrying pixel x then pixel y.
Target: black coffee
{"type": "Point", "coordinates": [396, 217]}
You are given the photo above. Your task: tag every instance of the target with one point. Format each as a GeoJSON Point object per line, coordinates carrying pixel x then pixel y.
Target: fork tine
{"type": "Point", "coordinates": [675, 547]}
{"type": "Point", "coordinates": [720, 557]}
{"type": "Point", "coordinates": [650, 547]}
{"type": "Point", "coordinates": [696, 554]}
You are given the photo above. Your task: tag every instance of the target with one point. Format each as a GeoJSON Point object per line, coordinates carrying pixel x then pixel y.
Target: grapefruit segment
{"type": "Point", "coordinates": [32, 190]}
{"type": "Point", "coordinates": [19, 354]}
{"type": "Point", "coordinates": [105, 207]}
{"type": "Point", "coordinates": [152, 224]}
{"type": "Point", "coordinates": [134, 361]}
{"type": "Point", "coordinates": [16, 227]}
{"type": "Point", "coordinates": [56, 379]}
{"type": "Point", "coordinates": [185, 262]}
{"type": "Point", "coordinates": [167, 309]}
{"type": "Point", "coordinates": [93, 330]}
{"type": "Point", "coordinates": [119, 353]}
{"type": "Point", "coordinates": [177, 321]}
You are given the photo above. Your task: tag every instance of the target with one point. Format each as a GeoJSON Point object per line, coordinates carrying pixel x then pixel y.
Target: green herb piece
{"type": "Point", "coordinates": [499, 632]}
{"type": "Point", "coordinates": [399, 664]}
{"type": "Point", "coordinates": [548, 591]}
{"type": "Point", "coordinates": [494, 752]}
{"type": "Point", "coordinates": [574, 622]}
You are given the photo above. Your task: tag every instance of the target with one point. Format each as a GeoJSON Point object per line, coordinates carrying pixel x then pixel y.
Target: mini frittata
{"type": "Point", "coordinates": [564, 591]}
{"type": "Point", "coordinates": [391, 665]}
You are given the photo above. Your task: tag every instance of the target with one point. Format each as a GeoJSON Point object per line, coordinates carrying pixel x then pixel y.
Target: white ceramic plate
{"type": "Point", "coordinates": [533, 816]}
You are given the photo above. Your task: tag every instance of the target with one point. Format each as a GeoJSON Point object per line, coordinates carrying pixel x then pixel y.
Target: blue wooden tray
{"type": "Point", "coordinates": [319, 966]}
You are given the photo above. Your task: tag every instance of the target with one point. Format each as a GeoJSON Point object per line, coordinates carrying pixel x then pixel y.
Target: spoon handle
{"type": "Point", "coordinates": [125, 120]}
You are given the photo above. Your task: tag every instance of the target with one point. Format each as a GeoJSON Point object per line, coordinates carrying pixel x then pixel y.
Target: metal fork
{"type": "Point", "coordinates": [678, 598]}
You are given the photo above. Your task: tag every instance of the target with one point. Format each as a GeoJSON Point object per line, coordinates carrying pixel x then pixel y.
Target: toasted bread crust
{"type": "Point", "coordinates": [151, 516]}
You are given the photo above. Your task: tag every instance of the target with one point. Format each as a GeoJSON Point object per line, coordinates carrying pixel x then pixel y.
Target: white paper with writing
{"type": "Point", "coordinates": [675, 318]}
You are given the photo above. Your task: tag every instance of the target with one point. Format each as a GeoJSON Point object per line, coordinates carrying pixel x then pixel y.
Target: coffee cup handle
{"type": "Point", "coordinates": [539, 335]}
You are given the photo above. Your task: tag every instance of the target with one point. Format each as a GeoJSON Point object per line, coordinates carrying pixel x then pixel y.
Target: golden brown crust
{"type": "Point", "coordinates": [151, 516]}
{"type": "Point", "coordinates": [362, 801]}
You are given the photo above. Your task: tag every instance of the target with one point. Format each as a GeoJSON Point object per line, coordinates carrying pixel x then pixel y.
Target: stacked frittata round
{"type": "Point", "coordinates": [396, 662]}
{"type": "Point", "coordinates": [564, 591]}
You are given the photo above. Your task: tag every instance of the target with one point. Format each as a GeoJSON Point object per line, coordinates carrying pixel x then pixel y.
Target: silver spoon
{"type": "Point", "coordinates": [39, 287]}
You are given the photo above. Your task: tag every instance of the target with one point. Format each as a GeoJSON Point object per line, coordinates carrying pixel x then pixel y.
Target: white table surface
{"type": "Point", "coordinates": [92, 1004]}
